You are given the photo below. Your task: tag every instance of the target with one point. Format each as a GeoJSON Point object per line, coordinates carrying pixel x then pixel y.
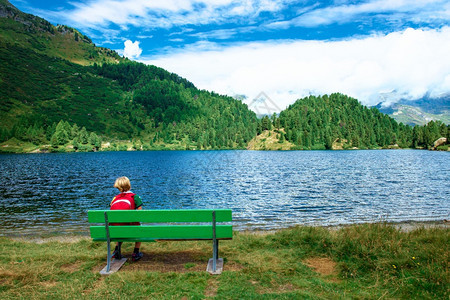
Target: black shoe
{"type": "Point", "coordinates": [116, 254]}
{"type": "Point", "coordinates": [137, 256]}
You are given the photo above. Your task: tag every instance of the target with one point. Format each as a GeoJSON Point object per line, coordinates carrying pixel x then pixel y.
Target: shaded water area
{"type": "Point", "coordinates": [44, 194]}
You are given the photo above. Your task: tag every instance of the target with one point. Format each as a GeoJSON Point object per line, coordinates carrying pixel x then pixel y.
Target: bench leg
{"type": "Point", "coordinates": [215, 264]}
{"type": "Point", "coordinates": [119, 246]}
{"type": "Point", "coordinates": [215, 253]}
{"type": "Point", "coordinates": [214, 268]}
{"type": "Point", "coordinates": [108, 259]}
{"type": "Point", "coordinates": [108, 241]}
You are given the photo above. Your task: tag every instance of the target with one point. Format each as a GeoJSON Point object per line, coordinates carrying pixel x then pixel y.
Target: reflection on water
{"type": "Point", "coordinates": [51, 192]}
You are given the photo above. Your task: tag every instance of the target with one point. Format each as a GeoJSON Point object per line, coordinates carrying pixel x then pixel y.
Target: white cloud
{"type": "Point", "coordinates": [411, 10]}
{"type": "Point", "coordinates": [408, 63]}
{"type": "Point", "coordinates": [106, 20]}
{"type": "Point", "coordinates": [167, 13]}
{"type": "Point", "coordinates": [132, 50]}
{"type": "Point", "coordinates": [170, 13]}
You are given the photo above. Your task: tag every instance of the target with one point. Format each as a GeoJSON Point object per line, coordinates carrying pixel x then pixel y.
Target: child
{"type": "Point", "coordinates": [124, 201]}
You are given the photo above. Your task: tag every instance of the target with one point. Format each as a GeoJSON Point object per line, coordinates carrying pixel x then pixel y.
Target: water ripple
{"type": "Point", "coordinates": [265, 190]}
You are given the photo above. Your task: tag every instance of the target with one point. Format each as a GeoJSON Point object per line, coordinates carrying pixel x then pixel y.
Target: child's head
{"type": "Point", "coordinates": [123, 184]}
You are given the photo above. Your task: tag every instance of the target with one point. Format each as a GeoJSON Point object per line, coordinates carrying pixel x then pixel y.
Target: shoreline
{"type": "Point", "coordinates": [236, 149]}
{"type": "Point", "coordinates": [21, 147]}
{"type": "Point", "coordinates": [74, 237]}
{"type": "Point", "coordinates": [403, 226]}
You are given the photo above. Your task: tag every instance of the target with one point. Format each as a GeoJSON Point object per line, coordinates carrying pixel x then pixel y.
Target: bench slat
{"type": "Point", "coordinates": [160, 216]}
{"type": "Point", "coordinates": [158, 232]}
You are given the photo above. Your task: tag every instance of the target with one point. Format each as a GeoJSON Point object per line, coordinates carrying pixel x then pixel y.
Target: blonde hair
{"type": "Point", "coordinates": [123, 184]}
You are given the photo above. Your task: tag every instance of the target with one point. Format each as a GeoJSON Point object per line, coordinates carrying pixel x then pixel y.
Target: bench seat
{"type": "Point", "coordinates": [173, 225]}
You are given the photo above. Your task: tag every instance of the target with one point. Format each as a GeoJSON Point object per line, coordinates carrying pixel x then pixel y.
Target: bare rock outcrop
{"type": "Point", "coordinates": [439, 142]}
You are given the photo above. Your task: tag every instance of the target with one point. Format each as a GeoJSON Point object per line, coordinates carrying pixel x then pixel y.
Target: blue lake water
{"type": "Point", "coordinates": [51, 193]}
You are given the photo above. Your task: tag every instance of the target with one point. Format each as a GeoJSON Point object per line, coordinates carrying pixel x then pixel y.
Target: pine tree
{"type": "Point", "coordinates": [76, 143]}
{"type": "Point", "coordinates": [60, 134]}
{"type": "Point", "coordinates": [83, 136]}
{"type": "Point", "coordinates": [4, 134]}
{"type": "Point", "coordinates": [95, 140]}
{"type": "Point", "coordinates": [328, 139]}
{"type": "Point", "coordinates": [282, 138]}
{"type": "Point", "coordinates": [74, 131]}
{"type": "Point", "coordinates": [431, 133]}
{"type": "Point", "coordinates": [265, 123]}
{"type": "Point", "coordinates": [50, 131]}
{"type": "Point", "coordinates": [54, 141]}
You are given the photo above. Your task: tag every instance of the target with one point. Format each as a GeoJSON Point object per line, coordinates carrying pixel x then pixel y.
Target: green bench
{"type": "Point", "coordinates": [162, 225]}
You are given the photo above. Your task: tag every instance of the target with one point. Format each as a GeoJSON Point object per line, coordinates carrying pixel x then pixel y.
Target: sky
{"type": "Point", "coordinates": [279, 50]}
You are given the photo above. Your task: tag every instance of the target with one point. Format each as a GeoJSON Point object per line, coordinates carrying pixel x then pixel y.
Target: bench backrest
{"type": "Point", "coordinates": [196, 224]}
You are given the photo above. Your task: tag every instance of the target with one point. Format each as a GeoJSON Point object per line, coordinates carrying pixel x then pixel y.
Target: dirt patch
{"type": "Point", "coordinates": [70, 268]}
{"type": "Point", "coordinates": [97, 284]}
{"type": "Point", "coordinates": [6, 278]}
{"type": "Point", "coordinates": [322, 265]}
{"type": "Point", "coordinates": [178, 261]}
{"type": "Point", "coordinates": [211, 288]}
{"type": "Point", "coordinates": [275, 288]}
{"type": "Point", "coordinates": [42, 240]}
{"type": "Point", "coordinates": [48, 284]}
{"type": "Point", "coordinates": [181, 262]}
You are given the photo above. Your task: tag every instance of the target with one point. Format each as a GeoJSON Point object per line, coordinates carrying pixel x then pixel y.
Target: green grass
{"type": "Point", "coordinates": [361, 261]}
{"type": "Point", "coordinates": [443, 148]}
{"type": "Point", "coordinates": [15, 146]}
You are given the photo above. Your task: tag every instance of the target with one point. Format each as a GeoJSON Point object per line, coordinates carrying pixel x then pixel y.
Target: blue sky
{"type": "Point", "coordinates": [373, 50]}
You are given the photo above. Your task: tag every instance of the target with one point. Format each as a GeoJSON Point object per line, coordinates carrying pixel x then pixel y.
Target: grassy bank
{"type": "Point", "coordinates": [362, 261]}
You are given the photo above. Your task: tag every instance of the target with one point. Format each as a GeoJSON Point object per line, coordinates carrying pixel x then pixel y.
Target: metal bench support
{"type": "Point", "coordinates": [215, 264]}
{"type": "Point", "coordinates": [215, 242]}
{"type": "Point", "coordinates": [108, 243]}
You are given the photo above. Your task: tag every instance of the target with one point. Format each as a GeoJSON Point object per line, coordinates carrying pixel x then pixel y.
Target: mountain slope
{"type": "Point", "coordinates": [34, 33]}
{"type": "Point", "coordinates": [56, 86]}
{"type": "Point", "coordinates": [41, 83]}
{"type": "Point", "coordinates": [43, 89]}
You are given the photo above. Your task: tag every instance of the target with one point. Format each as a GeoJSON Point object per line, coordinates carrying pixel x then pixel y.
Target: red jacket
{"type": "Point", "coordinates": [124, 201]}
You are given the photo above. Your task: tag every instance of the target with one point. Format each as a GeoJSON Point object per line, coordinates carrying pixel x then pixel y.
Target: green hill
{"type": "Point", "coordinates": [321, 121]}
{"type": "Point", "coordinates": [337, 121]}
{"type": "Point", "coordinates": [49, 73]}
{"type": "Point", "coordinates": [41, 89]}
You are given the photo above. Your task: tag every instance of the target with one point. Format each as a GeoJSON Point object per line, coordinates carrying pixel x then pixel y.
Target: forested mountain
{"type": "Point", "coordinates": [59, 92]}
{"type": "Point", "coordinates": [175, 110]}
{"type": "Point", "coordinates": [341, 122]}
{"type": "Point", "coordinates": [117, 99]}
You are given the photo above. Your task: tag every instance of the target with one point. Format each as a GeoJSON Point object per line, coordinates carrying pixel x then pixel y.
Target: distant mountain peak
{"type": "Point", "coordinates": [419, 111]}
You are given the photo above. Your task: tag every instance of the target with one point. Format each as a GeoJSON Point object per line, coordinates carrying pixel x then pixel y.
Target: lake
{"type": "Point", "coordinates": [45, 194]}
